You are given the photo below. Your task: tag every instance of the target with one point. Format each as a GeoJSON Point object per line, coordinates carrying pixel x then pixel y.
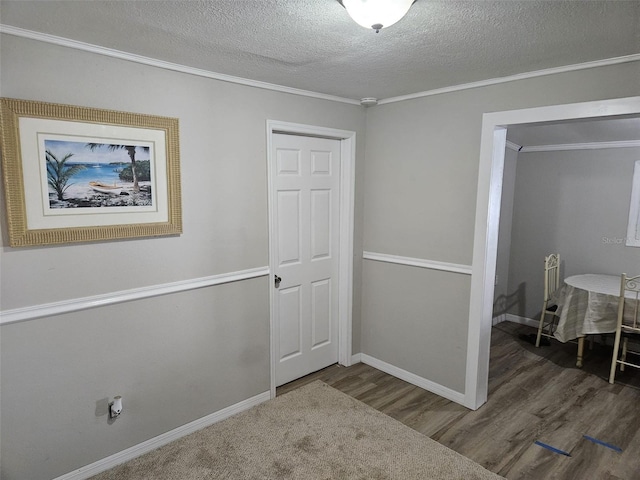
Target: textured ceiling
{"type": "Point", "coordinates": [314, 45]}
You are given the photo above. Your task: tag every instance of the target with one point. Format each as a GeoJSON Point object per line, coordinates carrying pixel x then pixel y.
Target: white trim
{"type": "Point", "coordinates": [131, 57]}
{"type": "Point", "coordinates": [514, 146]}
{"type": "Point", "coordinates": [484, 273]}
{"type": "Point", "coordinates": [633, 227]}
{"type": "Point", "coordinates": [499, 319]}
{"type": "Point", "coordinates": [418, 262]}
{"type": "Point", "coordinates": [513, 78]}
{"type": "Point", "coordinates": [414, 379]}
{"type": "Point", "coordinates": [347, 227]}
{"type": "Point", "coordinates": [490, 176]}
{"type": "Point", "coordinates": [85, 303]}
{"type": "Point", "coordinates": [573, 146]}
{"type": "Point", "coordinates": [356, 358]}
{"type": "Point", "coordinates": [522, 320]}
{"type": "Point", "coordinates": [347, 231]}
{"type": "Point", "coordinates": [581, 146]}
{"type": "Point", "coordinates": [156, 442]}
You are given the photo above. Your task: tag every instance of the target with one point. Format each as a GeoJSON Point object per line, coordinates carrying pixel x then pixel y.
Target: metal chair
{"type": "Point", "coordinates": [551, 284]}
{"type": "Point", "coordinates": [628, 323]}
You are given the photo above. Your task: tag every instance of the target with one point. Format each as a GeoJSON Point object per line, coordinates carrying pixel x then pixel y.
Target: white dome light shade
{"type": "Point", "coordinates": [377, 14]}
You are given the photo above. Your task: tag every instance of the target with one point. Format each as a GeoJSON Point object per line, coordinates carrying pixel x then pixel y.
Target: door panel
{"type": "Point", "coordinates": [320, 224]}
{"type": "Point", "coordinates": [320, 313]}
{"type": "Point", "coordinates": [290, 331]}
{"type": "Point", "coordinates": [306, 195]}
{"type": "Point", "coordinates": [289, 231]}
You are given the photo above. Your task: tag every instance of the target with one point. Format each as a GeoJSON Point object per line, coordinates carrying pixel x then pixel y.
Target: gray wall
{"type": "Point", "coordinates": [575, 203]}
{"type": "Point", "coordinates": [420, 201]}
{"type": "Point", "coordinates": [174, 358]}
{"type": "Point", "coordinates": [408, 325]}
{"type": "Point", "coordinates": [419, 191]}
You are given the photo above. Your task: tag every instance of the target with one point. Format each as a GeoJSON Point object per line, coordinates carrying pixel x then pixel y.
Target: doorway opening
{"type": "Point", "coordinates": [347, 141]}
{"type": "Point", "coordinates": [489, 196]}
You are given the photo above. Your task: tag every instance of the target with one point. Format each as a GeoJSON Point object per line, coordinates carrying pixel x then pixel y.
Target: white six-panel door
{"type": "Point", "coordinates": [306, 210]}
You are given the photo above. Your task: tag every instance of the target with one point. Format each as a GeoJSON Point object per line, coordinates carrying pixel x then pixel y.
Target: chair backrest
{"type": "Point", "coordinates": [629, 302]}
{"type": "Point", "coordinates": [551, 274]}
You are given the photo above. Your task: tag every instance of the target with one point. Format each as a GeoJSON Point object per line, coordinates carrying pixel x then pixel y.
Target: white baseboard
{"type": "Point", "coordinates": [522, 320]}
{"type": "Point", "coordinates": [499, 319]}
{"type": "Point", "coordinates": [153, 443]}
{"type": "Point", "coordinates": [356, 358]}
{"type": "Point", "coordinates": [414, 379]}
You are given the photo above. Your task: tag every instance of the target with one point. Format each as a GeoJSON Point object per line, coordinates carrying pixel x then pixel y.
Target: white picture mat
{"type": "Point", "coordinates": [633, 230]}
{"type": "Point", "coordinates": [33, 131]}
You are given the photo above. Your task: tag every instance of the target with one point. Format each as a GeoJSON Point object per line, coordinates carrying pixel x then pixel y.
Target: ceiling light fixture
{"type": "Point", "coordinates": [377, 14]}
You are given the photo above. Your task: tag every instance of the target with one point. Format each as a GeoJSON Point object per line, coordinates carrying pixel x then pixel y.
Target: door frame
{"type": "Point", "coordinates": [347, 207]}
{"type": "Point", "coordinates": [489, 197]}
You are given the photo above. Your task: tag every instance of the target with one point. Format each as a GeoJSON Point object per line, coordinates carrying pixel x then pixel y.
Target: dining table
{"type": "Point", "coordinates": [588, 305]}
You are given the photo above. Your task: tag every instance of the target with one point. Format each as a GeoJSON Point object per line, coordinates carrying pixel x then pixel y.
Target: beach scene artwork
{"type": "Point", "coordinates": [98, 174]}
{"type": "Point", "coordinates": [80, 174]}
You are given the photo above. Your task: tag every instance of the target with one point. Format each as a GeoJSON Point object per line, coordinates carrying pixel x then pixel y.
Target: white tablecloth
{"type": "Point", "coordinates": [588, 304]}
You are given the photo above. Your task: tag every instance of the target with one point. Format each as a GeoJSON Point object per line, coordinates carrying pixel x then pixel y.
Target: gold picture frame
{"type": "Point", "coordinates": [70, 173]}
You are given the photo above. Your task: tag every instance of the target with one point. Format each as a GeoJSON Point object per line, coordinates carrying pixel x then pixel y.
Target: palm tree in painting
{"type": "Point", "coordinates": [59, 173]}
{"type": "Point", "coordinates": [131, 150]}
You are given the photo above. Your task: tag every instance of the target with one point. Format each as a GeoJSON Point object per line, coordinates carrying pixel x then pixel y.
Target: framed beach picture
{"type": "Point", "coordinates": [77, 174]}
{"type": "Point", "coordinates": [633, 230]}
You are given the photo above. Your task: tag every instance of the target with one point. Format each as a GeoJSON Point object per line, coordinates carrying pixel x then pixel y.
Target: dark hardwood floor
{"type": "Point", "coordinates": [535, 394]}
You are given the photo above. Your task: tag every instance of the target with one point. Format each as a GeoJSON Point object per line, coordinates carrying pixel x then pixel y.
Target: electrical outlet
{"type": "Point", "coordinates": [115, 407]}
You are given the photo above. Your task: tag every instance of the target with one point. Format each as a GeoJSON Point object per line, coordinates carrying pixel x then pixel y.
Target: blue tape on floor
{"type": "Point", "coordinates": [604, 444]}
{"type": "Point", "coordinates": [553, 449]}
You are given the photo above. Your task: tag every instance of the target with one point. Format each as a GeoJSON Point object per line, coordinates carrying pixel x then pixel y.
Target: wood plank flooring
{"type": "Point", "coordinates": [534, 394]}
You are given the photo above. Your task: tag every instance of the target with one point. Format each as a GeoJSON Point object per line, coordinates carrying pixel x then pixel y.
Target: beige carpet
{"type": "Point", "coordinates": [315, 432]}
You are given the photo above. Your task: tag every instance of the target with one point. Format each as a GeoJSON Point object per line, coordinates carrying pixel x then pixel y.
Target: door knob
{"type": "Point", "coordinates": [277, 281]}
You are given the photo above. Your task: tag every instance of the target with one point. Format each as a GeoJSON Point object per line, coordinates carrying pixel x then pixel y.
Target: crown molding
{"type": "Point", "coordinates": [580, 146]}
{"type": "Point", "coordinates": [514, 146]}
{"type": "Point", "coordinates": [573, 146]}
{"type": "Point", "coordinates": [131, 57]}
{"type": "Point", "coordinates": [87, 47]}
{"type": "Point", "coordinates": [512, 78]}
